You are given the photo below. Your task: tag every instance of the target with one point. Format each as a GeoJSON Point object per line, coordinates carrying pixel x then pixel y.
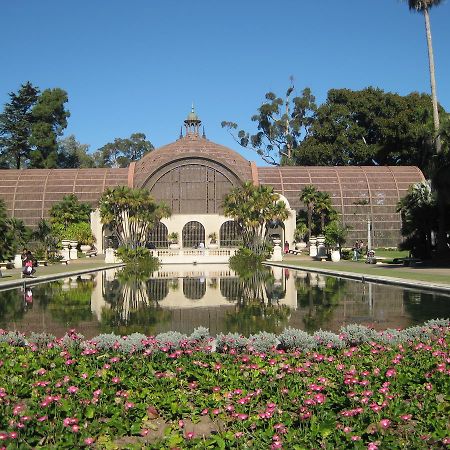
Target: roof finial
{"type": "Point", "coordinates": [181, 132]}
{"type": "Point", "coordinates": [204, 135]}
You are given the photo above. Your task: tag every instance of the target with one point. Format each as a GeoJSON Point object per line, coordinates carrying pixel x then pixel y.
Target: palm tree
{"type": "Point", "coordinates": [308, 196]}
{"type": "Point", "coordinates": [323, 207]}
{"type": "Point", "coordinates": [131, 213]}
{"type": "Point", "coordinates": [253, 208]}
{"type": "Point", "coordinates": [424, 6]}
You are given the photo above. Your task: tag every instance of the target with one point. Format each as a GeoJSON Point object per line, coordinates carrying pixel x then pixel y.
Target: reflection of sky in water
{"type": "Point", "coordinates": [181, 298]}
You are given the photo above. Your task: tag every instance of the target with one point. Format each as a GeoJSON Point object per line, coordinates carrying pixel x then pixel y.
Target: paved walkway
{"type": "Point", "coordinates": [12, 277]}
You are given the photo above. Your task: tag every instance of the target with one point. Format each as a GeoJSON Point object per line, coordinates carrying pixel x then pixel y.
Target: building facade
{"type": "Point", "coordinates": [193, 174]}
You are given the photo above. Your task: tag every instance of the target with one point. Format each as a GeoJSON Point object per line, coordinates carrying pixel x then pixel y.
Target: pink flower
{"type": "Point", "coordinates": [115, 380]}
{"type": "Point", "coordinates": [72, 389]}
{"type": "Point", "coordinates": [190, 435]}
{"type": "Point", "coordinates": [372, 446]}
{"type": "Point", "coordinates": [89, 441]}
{"type": "Point", "coordinates": [75, 428]}
{"type": "Point", "coordinates": [385, 423]}
{"type": "Point", "coordinates": [181, 423]}
{"type": "Point", "coordinates": [356, 438]}
{"type": "Point", "coordinates": [129, 405]}
{"type": "Point", "coordinates": [320, 398]}
{"type": "Point", "coordinates": [406, 417]}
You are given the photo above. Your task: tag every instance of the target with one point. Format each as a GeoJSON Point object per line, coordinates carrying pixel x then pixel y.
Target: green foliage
{"type": "Point", "coordinates": [73, 155]}
{"type": "Point", "coordinates": [366, 127]}
{"type": "Point", "coordinates": [301, 230]}
{"type": "Point", "coordinates": [49, 120]}
{"type": "Point", "coordinates": [130, 213]}
{"type": "Point", "coordinates": [15, 126]}
{"type": "Point", "coordinates": [69, 211]}
{"type": "Point", "coordinates": [253, 208]}
{"type": "Point", "coordinates": [419, 212]}
{"type": "Point", "coordinates": [246, 262]}
{"type": "Point", "coordinates": [14, 234]}
{"type": "Point", "coordinates": [122, 152]}
{"type": "Point", "coordinates": [173, 237]}
{"type": "Point", "coordinates": [131, 255]}
{"type": "Point", "coordinates": [78, 231]}
{"type": "Point", "coordinates": [370, 127]}
{"type": "Point", "coordinates": [335, 234]}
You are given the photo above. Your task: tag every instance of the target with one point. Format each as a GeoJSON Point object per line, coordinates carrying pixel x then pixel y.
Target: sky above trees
{"type": "Point", "coordinates": [137, 66]}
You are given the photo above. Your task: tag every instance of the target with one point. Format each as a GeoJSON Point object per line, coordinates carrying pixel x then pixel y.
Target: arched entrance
{"type": "Point", "coordinates": [193, 234]}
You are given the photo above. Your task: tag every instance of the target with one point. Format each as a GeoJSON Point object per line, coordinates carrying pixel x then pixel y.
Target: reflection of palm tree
{"type": "Point", "coordinates": [134, 297]}
{"type": "Point", "coordinates": [257, 296]}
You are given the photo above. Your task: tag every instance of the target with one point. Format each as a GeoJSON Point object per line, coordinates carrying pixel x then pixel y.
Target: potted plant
{"type": "Point", "coordinates": [335, 237]}
{"type": "Point", "coordinates": [299, 236]}
{"type": "Point", "coordinates": [213, 240]}
{"type": "Point", "coordinates": [173, 240]}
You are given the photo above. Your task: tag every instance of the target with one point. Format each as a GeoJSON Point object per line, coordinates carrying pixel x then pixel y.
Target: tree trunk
{"type": "Point", "coordinates": [309, 222]}
{"type": "Point", "coordinates": [432, 80]}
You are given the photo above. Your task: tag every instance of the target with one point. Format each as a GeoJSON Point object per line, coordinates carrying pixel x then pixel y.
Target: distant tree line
{"type": "Point", "coordinates": [366, 127]}
{"type": "Point", "coordinates": [31, 126]}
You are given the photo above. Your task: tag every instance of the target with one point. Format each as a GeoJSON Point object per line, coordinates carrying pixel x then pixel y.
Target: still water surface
{"type": "Point", "coordinates": [181, 298]}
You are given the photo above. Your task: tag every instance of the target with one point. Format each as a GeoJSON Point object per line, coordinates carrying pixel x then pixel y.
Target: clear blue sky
{"type": "Point", "coordinates": [137, 65]}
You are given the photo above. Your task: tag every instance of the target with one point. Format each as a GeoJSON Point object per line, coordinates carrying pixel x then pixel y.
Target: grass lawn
{"type": "Point", "coordinates": [391, 254]}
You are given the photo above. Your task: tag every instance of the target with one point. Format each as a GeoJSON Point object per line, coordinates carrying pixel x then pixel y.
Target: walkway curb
{"type": "Point", "coordinates": [5, 285]}
{"type": "Point", "coordinates": [367, 277]}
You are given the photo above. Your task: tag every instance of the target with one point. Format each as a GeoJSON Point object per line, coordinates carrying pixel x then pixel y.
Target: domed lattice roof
{"type": "Point", "coordinates": [191, 147]}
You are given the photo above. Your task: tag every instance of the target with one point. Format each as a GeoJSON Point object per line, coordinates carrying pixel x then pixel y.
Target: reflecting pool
{"type": "Point", "coordinates": [181, 298]}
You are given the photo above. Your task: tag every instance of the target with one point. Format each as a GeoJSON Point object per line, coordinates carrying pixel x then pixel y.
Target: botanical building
{"type": "Point", "coordinates": [192, 175]}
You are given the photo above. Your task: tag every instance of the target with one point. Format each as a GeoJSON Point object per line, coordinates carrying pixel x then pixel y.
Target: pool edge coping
{"type": "Point", "coordinates": [4, 285]}
{"type": "Point", "coordinates": [426, 285]}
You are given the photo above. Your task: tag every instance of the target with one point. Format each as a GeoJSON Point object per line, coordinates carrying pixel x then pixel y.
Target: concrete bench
{"type": "Point", "coordinates": [42, 262]}
{"type": "Point", "coordinates": [91, 253]}
{"type": "Point", "coordinates": [295, 252]}
{"type": "Point", "coordinates": [65, 261]}
{"type": "Point", "coordinates": [321, 258]}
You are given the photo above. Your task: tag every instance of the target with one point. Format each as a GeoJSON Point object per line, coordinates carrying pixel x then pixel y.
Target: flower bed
{"type": "Point", "coordinates": [359, 389]}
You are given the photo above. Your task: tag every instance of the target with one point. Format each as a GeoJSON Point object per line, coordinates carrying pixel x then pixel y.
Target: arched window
{"type": "Point", "coordinates": [194, 288]}
{"type": "Point", "coordinates": [157, 236]}
{"type": "Point", "coordinates": [230, 234]}
{"type": "Point", "coordinates": [193, 234]}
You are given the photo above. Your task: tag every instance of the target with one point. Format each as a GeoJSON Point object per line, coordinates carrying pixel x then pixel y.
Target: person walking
{"type": "Point", "coordinates": [355, 251]}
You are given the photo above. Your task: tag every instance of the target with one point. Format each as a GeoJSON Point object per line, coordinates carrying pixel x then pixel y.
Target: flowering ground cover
{"type": "Point", "coordinates": [359, 389]}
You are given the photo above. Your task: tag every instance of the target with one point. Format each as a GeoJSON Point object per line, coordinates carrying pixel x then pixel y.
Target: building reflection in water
{"type": "Point", "coordinates": [182, 298]}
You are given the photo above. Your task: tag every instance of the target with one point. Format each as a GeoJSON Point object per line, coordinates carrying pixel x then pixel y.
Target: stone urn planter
{"type": "Point", "coordinates": [174, 245]}
{"type": "Point", "coordinates": [300, 245]}
{"type": "Point", "coordinates": [335, 256]}
{"type": "Point", "coordinates": [85, 247]}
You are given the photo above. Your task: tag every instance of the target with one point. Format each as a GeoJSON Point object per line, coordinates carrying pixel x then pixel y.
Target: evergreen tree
{"type": "Point", "coordinates": [49, 121]}
{"type": "Point", "coordinates": [15, 126]}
